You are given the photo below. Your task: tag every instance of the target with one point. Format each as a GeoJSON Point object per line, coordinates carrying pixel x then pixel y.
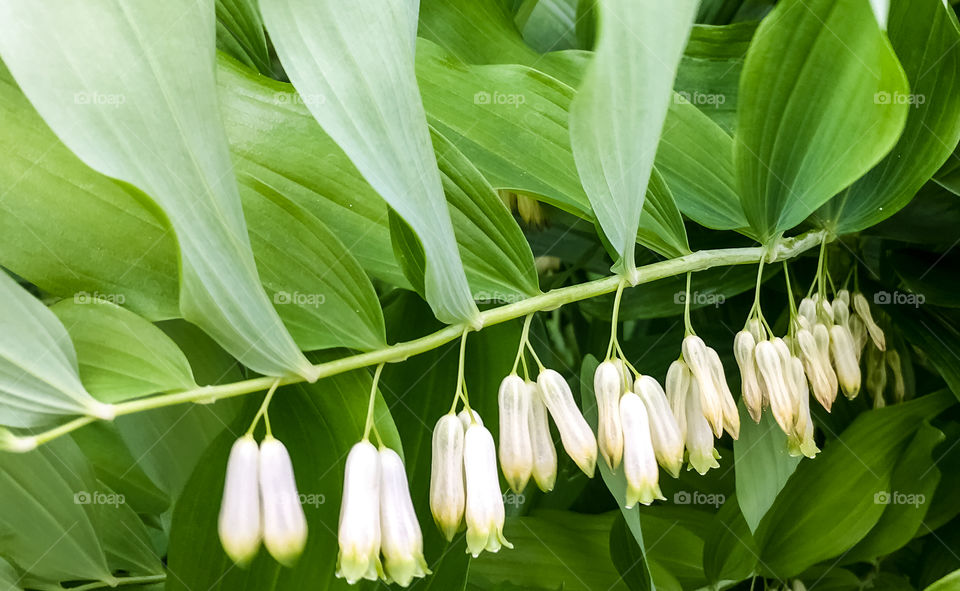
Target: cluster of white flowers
{"type": "Point", "coordinates": [377, 516]}
{"type": "Point", "coordinates": [260, 502]}
{"type": "Point", "coordinates": [820, 355]}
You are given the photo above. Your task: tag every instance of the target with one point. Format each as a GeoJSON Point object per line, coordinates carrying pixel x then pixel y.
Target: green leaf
{"type": "Point", "coordinates": [627, 557]}
{"type": "Point", "coordinates": [121, 355]}
{"type": "Point", "coordinates": [48, 513]}
{"type": "Point", "coordinates": [158, 128]}
{"type": "Point", "coordinates": [325, 298]}
{"type": "Point", "coordinates": [912, 485]}
{"type": "Point", "coordinates": [553, 550]}
{"type": "Point", "coordinates": [830, 504]}
{"type": "Point", "coordinates": [467, 106]}
{"type": "Point", "coordinates": [947, 583]}
{"type": "Point", "coordinates": [115, 466]}
{"type": "Point", "coordinates": [495, 253]}
{"type": "Point", "coordinates": [616, 482]}
{"type": "Point", "coordinates": [763, 465]}
{"type": "Point", "coordinates": [617, 115]}
{"type": "Point", "coordinates": [39, 379]}
{"type": "Point", "coordinates": [551, 25]}
{"type": "Point", "coordinates": [730, 553]}
{"type": "Point", "coordinates": [240, 33]}
{"type": "Point", "coordinates": [372, 109]}
{"type": "Point", "coordinates": [926, 37]}
{"type": "Point", "coordinates": [811, 115]}
{"type": "Point", "coordinates": [936, 336]}
{"type": "Point", "coordinates": [318, 423]}
{"type": "Point", "coordinates": [9, 577]}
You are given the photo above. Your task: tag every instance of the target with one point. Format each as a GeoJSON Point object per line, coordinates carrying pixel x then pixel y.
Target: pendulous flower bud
{"type": "Point", "coordinates": [896, 369]}
{"type": "Point", "coordinates": [862, 307]}
{"type": "Point", "coordinates": [858, 330]}
{"type": "Point", "coordinates": [544, 451]}
{"type": "Point", "coordinates": [575, 433]}
{"type": "Point", "coordinates": [664, 431]}
{"type": "Point", "coordinates": [820, 373]}
{"type": "Point", "coordinates": [808, 310]}
{"type": "Point", "coordinates": [773, 376]}
{"type": "Point", "coordinates": [625, 374]}
{"type": "Point", "coordinates": [699, 437]}
{"type": "Point", "coordinates": [401, 538]}
{"type": "Point", "coordinates": [876, 376]}
{"type": "Point", "coordinates": [516, 451]}
{"type": "Point", "coordinates": [845, 360]}
{"type": "Point", "coordinates": [284, 524]}
{"type": "Point", "coordinates": [359, 531]}
{"type": "Point", "coordinates": [608, 386]}
{"type": "Point", "coordinates": [731, 416]}
{"type": "Point", "coordinates": [447, 496]}
{"type": "Point", "coordinates": [465, 418]}
{"type": "Point", "coordinates": [639, 459]}
{"type": "Point", "coordinates": [677, 387]}
{"type": "Point", "coordinates": [485, 513]}
{"type": "Point", "coordinates": [239, 524]}
{"type": "Point", "coordinates": [743, 346]}
{"type": "Point", "coordinates": [698, 360]}
{"type": "Point", "coordinates": [801, 440]}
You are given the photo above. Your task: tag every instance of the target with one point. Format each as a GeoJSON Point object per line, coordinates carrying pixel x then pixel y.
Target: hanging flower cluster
{"type": "Point", "coordinates": [260, 502]}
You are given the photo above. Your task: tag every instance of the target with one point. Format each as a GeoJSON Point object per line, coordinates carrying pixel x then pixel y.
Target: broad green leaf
{"type": "Point", "coordinates": [494, 251]}
{"type": "Point", "coordinates": [359, 58]}
{"type": "Point", "coordinates": [949, 174]}
{"type": "Point", "coordinates": [306, 268]}
{"type": "Point", "coordinates": [912, 485]}
{"type": "Point", "coordinates": [47, 518]}
{"type": "Point", "coordinates": [467, 106]}
{"type": "Point", "coordinates": [616, 482]}
{"type": "Point", "coordinates": [695, 157]}
{"type": "Point", "coordinates": [157, 126]}
{"type": "Point", "coordinates": [240, 33]}
{"type": "Point", "coordinates": [709, 72]}
{"type": "Point", "coordinates": [120, 354]}
{"type": "Point", "coordinates": [812, 117]}
{"type": "Point", "coordinates": [619, 109]}
{"type": "Point", "coordinates": [9, 577]}
{"type": "Point", "coordinates": [553, 550]}
{"type": "Point", "coordinates": [95, 237]}
{"type": "Point", "coordinates": [936, 336]}
{"type": "Point", "coordinates": [39, 378]}
{"type": "Point", "coordinates": [763, 465]}
{"type": "Point", "coordinates": [627, 557]}
{"type": "Point", "coordinates": [318, 423]}
{"type": "Point", "coordinates": [730, 553]}
{"type": "Point", "coordinates": [126, 540]}
{"type": "Point", "coordinates": [948, 583]}
{"type": "Point", "coordinates": [114, 465]}
{"type": "Point", "coordinates": [551, 25]}
{"type": "Point", "coordinates": [926, 37]}
{"type": "Point", "coordinates": [830, 504]}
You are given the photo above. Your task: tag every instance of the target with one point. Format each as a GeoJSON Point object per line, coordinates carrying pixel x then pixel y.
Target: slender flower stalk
{"type": "Point", "coordinates": [239, 523]}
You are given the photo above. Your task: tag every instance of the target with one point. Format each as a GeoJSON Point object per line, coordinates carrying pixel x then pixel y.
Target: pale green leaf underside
{"type": "Point", "coordinates": [354, 65]}
{"type": "Point", "coordinates": [120, 354]}
{"type": "Point", "coordinates": [811, 115]}
{"type": "Point", "coordinates": [134, 97]}
{"type": "Point", "coordinates": [619, 110]}
{"type": "Point", "coordinates": [39, 380]}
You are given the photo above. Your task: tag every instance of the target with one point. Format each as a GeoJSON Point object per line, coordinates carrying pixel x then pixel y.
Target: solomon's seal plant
{"type": "Point", "coordinates": [621, 294]}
